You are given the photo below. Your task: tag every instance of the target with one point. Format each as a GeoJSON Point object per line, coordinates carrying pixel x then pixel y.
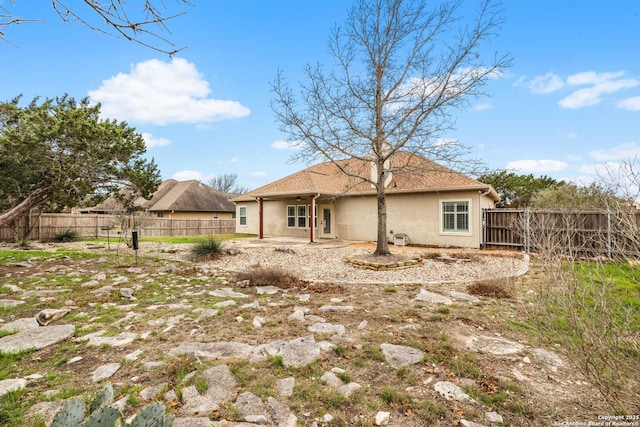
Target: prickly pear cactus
{"type": "Point", "coordinates": [152, 416]}
{"type": "Point", "coordinates": [71, 414]}
{"type": "Point", "coordinates": [103, 398]}
{"type": "Point", "coordinates": [107, 416]}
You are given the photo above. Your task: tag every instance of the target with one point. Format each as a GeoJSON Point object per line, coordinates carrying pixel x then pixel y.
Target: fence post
{"type": "Point", "coordinates": [527, 230]}
{"type": "Point", "coordinates": [39, 227]}
{"type": "Point", "coordinates": [609, 255]}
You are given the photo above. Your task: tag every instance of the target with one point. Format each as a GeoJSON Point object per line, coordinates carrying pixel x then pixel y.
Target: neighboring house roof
{"type": "Point", "coordinates": [177, 196]}
{"type": "Point", "coordinates": [187, 196]}
{"type": "Point", "coordinates": [413, 174]}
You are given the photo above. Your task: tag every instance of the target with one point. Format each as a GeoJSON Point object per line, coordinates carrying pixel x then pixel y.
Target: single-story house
{"type": "Point", "coordinates": [179, 200]}
{"type": "Point", "coordinates": [430, 203]}
{"type": "Point", "coordinates": [188, 200]}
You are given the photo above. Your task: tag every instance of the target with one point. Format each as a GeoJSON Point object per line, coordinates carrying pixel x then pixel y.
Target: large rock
{"type": "Point", "coordinates": [49, 315]}
{"type": "Point", "coordinates": [213, 350]}
{"type": "Point", "coordinates": [398, 356]}
{"type": "Point", "coordinates": [37, 339]}
{"type": "Point", "coordinates": [11, 385]}
{"type": "Point", "coordinates": [300, 351]}
{"type": "Point", "coordinates": [20, 325]}
{"type": "Point", "coordinates": [493, 345]}
{"type": "Point", "coordinates": [432, 298]}
{"type": "Point", "coordinates": [195, 405]}
{"type": "Point", "coordinates": [450, 391]}
{"type": "Point", "coordinates": [251, 409]}
{"type": "Point", "coordinates": [222, 384]}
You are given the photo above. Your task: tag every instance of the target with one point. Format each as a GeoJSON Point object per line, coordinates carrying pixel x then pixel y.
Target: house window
{"type": "Point", "coordinates": [243, 215]}
{"type": "Point", "coordinates": [455, 217]}
{"type": "Point", "coordinates": [291, 216]}
{"type": "Point", "coordinates": [302, 216]}
{"type": "Point", "coordinates": [299, 216]}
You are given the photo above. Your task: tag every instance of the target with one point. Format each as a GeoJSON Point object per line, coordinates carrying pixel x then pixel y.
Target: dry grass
{"type": "Point", "coordinates": [490, 289]}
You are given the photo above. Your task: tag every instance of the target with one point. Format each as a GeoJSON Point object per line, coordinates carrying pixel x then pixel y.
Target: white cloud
{"type": "Point", "coordinates": [483, 107]}
{"type": "Point", "coordinates": [625, 151]}
{"type": "Point", "coordinates": [150, 141]}
{"type": "Point", "coordinates": [287, 145]}
{"type": "Point", "coordinates": [445, 143]}
{"type": "Point", "coordinates": [187, 175]}
{"type": "Point", "coordinates": [537, 166]}
{"type": "Point", "coordinates": [600, 84]}
{"type": "Point", "coordinates": [592, 78]}
{"type": "Point", "coordinates": [547, 83]}
{"type": "Point", "coordinates": [235, 159]}
{"type": "Point", "coordinates": [161, 92]}
{"type": "Point", "coordinates": [280, 145]}
{"type": "Point", "coordinates": [632, 104]}
{"type": "Point", "coordinates": [258, 173]}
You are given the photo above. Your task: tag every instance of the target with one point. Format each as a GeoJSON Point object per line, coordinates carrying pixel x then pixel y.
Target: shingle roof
{"type": "Point", "coordinates": [418, 174]}
{"type": "Point", "coordinates": [189, 196]}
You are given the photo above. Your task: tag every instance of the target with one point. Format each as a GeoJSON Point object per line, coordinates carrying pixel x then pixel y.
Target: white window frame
{"type": "Point", "coordinates": [455, 232]}
{"type": "Point", "coordinates": [241, 217]}
{"type": "Point", "coordinates": [301, 215]}
{"type": "Point", "coordinates": [293, 217]}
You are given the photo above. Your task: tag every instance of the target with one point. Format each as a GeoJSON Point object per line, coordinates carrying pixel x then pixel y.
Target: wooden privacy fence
{"type": "Point", "coordinates": [47, 226]}
{"type": "Point", "coordinates": [580, 233]}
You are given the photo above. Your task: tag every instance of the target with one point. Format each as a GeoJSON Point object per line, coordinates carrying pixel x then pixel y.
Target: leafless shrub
{"type": "Point", "coordinates": [268, 276]}
{"type": "Point", "coordinates": [490, 288]}
{"type": "Point", "coordinates": [582, 305]}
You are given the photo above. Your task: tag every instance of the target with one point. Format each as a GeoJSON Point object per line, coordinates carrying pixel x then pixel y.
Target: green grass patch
{"type": "Point", "coordinates": [11, 256]}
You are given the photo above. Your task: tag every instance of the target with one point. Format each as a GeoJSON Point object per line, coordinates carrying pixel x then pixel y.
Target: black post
{"type": "Point", "coordinates": [134, 242]}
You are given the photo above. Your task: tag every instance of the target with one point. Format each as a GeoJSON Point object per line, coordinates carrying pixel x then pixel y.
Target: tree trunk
{"type": "Point", "coordinates": [382, 247]}
{"type": "Point", "coordinates": [34, 199]}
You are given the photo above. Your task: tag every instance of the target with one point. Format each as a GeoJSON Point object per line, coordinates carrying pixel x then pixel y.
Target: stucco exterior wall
{"type": "Point", "coordinates": [417, 215]}
{"type": "Point", "coordinates": [355, 218]}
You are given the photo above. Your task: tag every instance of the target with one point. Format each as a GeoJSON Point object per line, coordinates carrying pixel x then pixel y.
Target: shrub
{"type": "Point", "coordinates": [66, 236]}
{"type": "Point", "coordinates": [490, 289]}
{"type": "Point", "coordinates": [265, 276]}
{"type": "Point", "coordinates": [207, 249]}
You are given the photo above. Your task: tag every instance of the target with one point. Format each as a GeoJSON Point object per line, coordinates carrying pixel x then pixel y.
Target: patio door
{"type": "Point", "coordinates": [326, 222]}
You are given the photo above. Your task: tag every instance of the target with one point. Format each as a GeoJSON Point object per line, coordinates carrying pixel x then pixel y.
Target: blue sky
{"type": "Point", "coordinates": [570, 102]}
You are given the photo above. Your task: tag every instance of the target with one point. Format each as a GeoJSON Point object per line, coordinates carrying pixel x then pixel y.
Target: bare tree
{"type": "Point", "coordinates": [400, 71]}
{"type": "Point", "coordinates": [143, 23]}
{"type": "Point", "coordinates": [227, 183]}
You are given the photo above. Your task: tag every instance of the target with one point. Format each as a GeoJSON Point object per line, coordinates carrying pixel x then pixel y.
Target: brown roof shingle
{"type": "Point", "coordinates": [416, 174]}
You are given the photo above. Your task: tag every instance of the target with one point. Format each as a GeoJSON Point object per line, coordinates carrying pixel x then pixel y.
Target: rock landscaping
{"type": "Point", "coordinates": [343, 347]}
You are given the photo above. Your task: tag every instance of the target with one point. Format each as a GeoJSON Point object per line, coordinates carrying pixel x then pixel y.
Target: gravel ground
{"type": "Point", "coordinates": [328, 265]}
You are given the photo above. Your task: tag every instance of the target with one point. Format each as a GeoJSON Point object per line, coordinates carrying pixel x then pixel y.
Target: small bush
{"type": "Point", "coordinates": [268, 276]}
{"type": "Point", "coordinates": [207, 249]}
{"type": "Point", "coordinates": [490, 289]}
{"type": "Point", "coordinates": [66, 236]}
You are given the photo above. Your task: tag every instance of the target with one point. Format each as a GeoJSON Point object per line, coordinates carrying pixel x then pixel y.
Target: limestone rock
{"type": "Point", "coordinates": [11, 385]}
{"type": "Point", "coordinates": [398, 356]}
{"type": "Point", "coordinates": [493, 345]}
{"type": "Point", "coordinates": [382, 418]}
{"type": "Point", "coordinates": [450, 391]}
{"type": "Point", "coordinates": [104, 372]}
{"type": "Point", "coordinates": [39, 338]}
{"type": "Point", "coordinates": [432, 298]}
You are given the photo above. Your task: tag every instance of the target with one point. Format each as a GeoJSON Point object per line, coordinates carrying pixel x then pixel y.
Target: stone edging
{"type": "Point", "coordinates": [378, 266]}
